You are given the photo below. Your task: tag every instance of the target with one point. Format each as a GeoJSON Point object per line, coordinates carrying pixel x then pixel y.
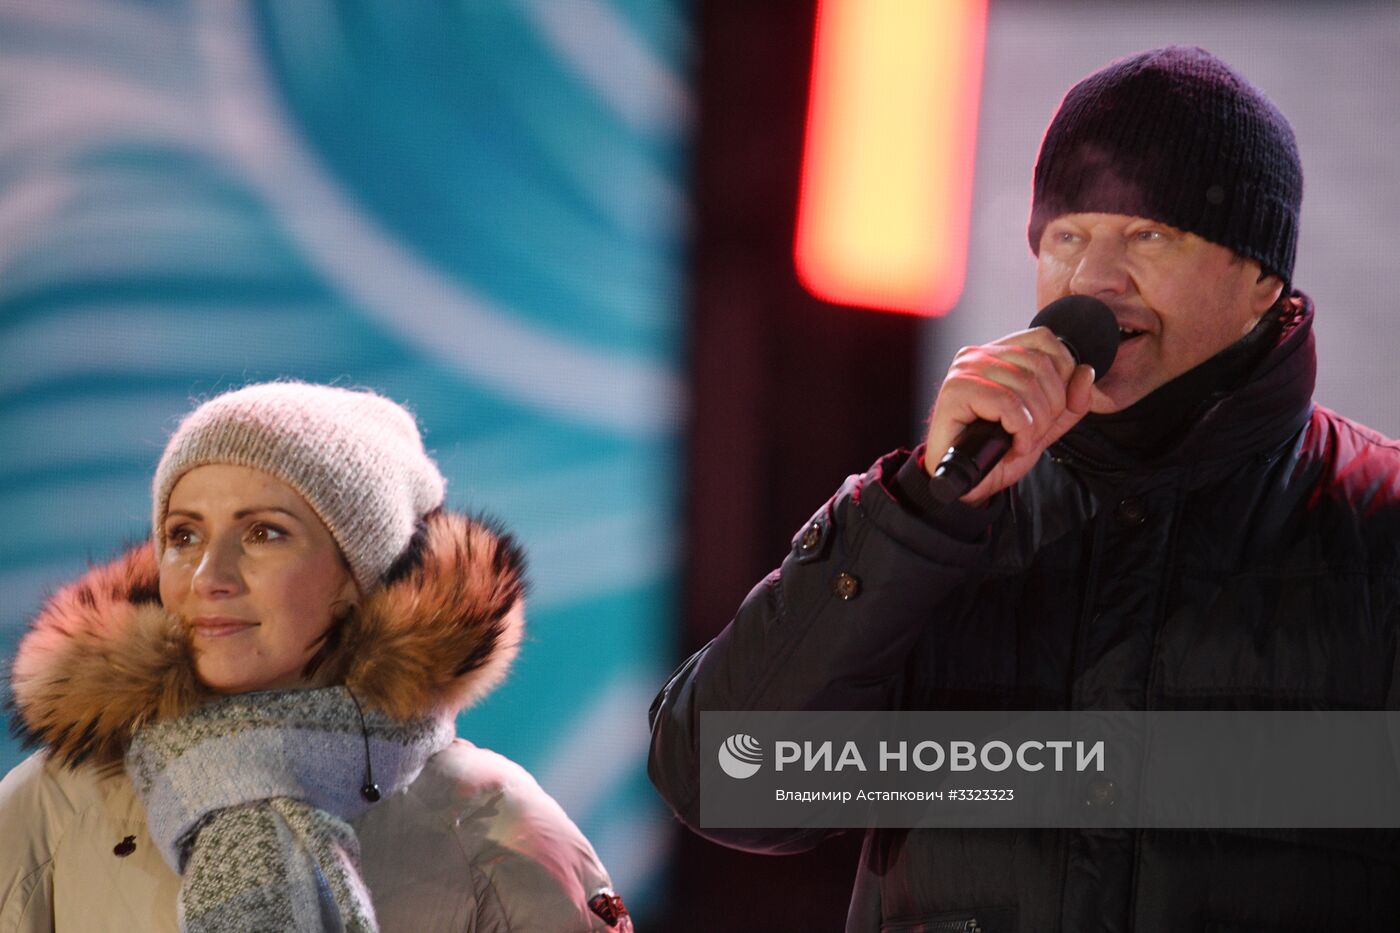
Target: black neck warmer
{"type": "Point", "coordinates": [1155, 423]}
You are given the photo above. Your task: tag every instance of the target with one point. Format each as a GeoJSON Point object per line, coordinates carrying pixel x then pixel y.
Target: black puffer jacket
{"type": "Point", "coordinates": [1256, 566]}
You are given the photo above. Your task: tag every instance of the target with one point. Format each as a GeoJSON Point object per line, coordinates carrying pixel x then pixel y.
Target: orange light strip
{"type": "Point", "coordinates": [887, 166]}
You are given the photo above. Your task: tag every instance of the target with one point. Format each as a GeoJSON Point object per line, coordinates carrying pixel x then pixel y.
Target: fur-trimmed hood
{"type": "Point", "coordinates": [103, 657]}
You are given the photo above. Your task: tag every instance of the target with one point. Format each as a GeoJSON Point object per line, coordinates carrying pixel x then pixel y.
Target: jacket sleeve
{"type": "Point", "coordinates": [831, 629]}
{"type": "Point", "coordinates": [33, 815]}
{"type": "Point", "coordinates": [533, 870]}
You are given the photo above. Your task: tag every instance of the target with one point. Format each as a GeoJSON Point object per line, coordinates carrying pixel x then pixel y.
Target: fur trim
{"type": "Point", "coordinates": [99, 661]}
{"type": "Point", "coordinates": [103, 657]}
{"type": "Point", "coordinates": [443, 635]}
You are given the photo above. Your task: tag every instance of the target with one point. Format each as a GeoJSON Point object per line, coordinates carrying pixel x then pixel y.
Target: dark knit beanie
{"type": "Point", "coordinates": [1175, 135]}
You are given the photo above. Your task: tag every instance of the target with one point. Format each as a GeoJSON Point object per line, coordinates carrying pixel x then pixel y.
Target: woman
{"type": "Point", "coordinates": [247, 723]}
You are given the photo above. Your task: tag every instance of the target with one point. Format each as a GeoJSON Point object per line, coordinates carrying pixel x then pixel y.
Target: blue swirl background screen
{"type": "Point", "coordinates": [475, 208]}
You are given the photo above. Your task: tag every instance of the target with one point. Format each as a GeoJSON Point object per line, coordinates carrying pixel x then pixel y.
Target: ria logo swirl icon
{"type": "Point", "coordinates": [740, 756]}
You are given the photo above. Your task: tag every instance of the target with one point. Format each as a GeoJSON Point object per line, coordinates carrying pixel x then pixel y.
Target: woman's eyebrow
{"type": "Point", "coordinates": [241, 513]}
{"type": "Point", "coordinates": [244, 513]}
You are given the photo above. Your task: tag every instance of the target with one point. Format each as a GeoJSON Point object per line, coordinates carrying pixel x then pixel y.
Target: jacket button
{"type": "Point", "coordinates": [846, 585]}
{"type": "Point", "coordinates": [811, 538]}
{"type": "Point", "coordinates": [1101, 795]}
{"type": "Point", "coordinates": [1131, 511]}
{"type": "Point", "coordinates": [125, 847]}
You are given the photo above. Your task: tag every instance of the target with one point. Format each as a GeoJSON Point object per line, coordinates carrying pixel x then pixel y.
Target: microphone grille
{"type": "Point", "coordinates": [1086, 326]}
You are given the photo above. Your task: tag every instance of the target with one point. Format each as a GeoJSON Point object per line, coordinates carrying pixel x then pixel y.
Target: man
{"type": "Point", "coordinates": [1191, 532]}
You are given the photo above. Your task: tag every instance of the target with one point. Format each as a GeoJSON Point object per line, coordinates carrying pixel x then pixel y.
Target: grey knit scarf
{"type": "Point", "coordinates": [249, 798]}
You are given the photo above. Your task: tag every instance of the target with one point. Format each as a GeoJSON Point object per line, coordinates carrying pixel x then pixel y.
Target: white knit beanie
{"type": "Point", "coordinates": [356, 458]}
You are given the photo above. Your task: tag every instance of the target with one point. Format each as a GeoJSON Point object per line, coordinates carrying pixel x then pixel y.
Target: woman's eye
{"type": "Point", "coordinates": [180, 537]}
{"type": "Point", "coordinates": [262, 532]}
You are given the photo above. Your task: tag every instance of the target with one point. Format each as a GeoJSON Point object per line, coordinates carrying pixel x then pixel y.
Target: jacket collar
{"type": "Point", "coordinates": [103, 657]}
{"type": "Point", "coordinates": [1259, 417]}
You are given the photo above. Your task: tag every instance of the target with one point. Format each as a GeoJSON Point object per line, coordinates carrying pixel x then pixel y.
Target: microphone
{"type": "Point", "coordinates": [1089, 331]}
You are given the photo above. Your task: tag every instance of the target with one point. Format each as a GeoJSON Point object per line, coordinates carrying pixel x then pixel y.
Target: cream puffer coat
{"type": "Point", "coordinates": [473, 844]}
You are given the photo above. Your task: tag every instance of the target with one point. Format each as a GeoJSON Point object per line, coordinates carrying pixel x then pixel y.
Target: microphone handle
{"type": "Point", "coordinates": [972, 456]}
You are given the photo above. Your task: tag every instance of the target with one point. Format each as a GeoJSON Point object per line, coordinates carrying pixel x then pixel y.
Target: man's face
{"type": "Point", "coordinates": [1178, 299]}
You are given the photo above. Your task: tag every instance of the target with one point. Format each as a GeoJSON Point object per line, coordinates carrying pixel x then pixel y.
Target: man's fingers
{"type": "Point", "coordinates": [1044, 340]}
{"type": "Point", "coordinates": [995, 401]}
{"type": "Point", "coordinates": [1027, 382]}
{"type": "Point", "coordinates": [1035, 377]}
{"type": "Point", "coordinates": [1080, 390]}
{"type": "Point", "coordinates": [1031, 376]}
{"type": "Point", "coordinates": [1078, 396]}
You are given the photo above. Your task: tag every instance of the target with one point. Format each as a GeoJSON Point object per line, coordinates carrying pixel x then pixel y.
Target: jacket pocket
{"type": "Point", "coordinates": [979, 920]}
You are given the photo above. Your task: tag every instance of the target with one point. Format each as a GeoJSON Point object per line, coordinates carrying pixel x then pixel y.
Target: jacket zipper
{"type": "Point", "coordinates": [953, 926]}
{"type": "Point", "coordinates": [1074, 458]}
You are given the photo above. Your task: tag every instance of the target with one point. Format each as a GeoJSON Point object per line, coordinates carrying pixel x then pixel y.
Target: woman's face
{"type": "Point", "coordinates": [254, 573]}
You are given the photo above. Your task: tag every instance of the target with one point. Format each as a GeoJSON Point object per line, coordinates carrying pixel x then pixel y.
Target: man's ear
{"type": "Point", "coordinates": [1265, 293]}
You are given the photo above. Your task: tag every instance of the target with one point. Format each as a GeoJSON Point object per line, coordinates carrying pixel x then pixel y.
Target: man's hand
{"type": "Point", "coordinates": [1029, 382]}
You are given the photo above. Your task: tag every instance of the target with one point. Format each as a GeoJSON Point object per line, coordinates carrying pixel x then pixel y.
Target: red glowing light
{"type": "Point", "coordinates": [887, 164]}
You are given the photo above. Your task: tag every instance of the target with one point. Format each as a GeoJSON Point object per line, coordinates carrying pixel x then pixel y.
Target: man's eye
{"type": "Point", "coordinates": [1149, 236]}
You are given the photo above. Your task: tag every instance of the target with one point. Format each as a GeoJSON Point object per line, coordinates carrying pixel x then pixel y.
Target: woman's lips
{"type": "Point", "coordinates": [218, 626]}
